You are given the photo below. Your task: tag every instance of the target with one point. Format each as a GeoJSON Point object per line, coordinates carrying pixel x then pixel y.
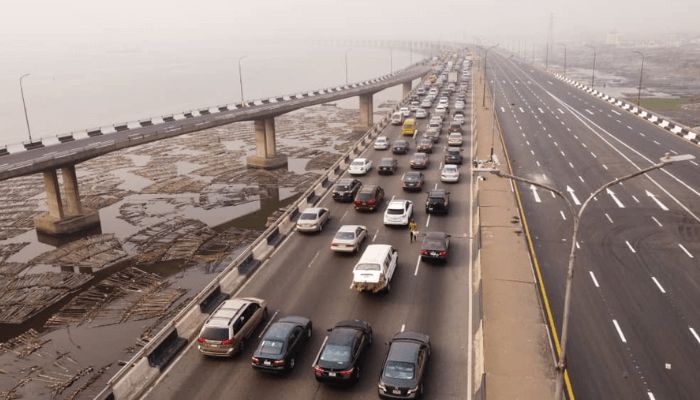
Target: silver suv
{"type": "Point", "coordinates": [234, 321]}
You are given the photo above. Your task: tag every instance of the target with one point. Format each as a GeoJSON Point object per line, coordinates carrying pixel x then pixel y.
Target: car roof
{"type": "Point", "coordinates": [226, 312]}
{"type": "Point", "coordinates": [437, 192]}
{"type": "Point", "coordinates": [403, 351]}
{"type": "Point", "coordinates": [313, 210]}
{"type": "Point", "coordinates": [343, 336]}
{"type": "Point", "coordinates": [454, 149]}
{"type": "Point", "coordinates": [387, 159]}
{"type": "Point", "coordinates": [279, 330]}
{"type": "Point", "coordinates": [435, 235]}
{"type": "Point", "coordinates": [368, 188]}
{"type": "Point", "coordinates": [413, 173]}
{"type": "Point", "coordinates": [360, 159]}
{"type": "Point", "coordinates": [350, 228]}
{"type": "Point", "coordinates": [450, 166]}
{"type": "Point", "coordinates": [345, 181]}
{"type": "Point", "coordinates": [397, 204]}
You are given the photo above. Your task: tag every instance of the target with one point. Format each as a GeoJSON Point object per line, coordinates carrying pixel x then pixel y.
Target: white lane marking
{"type": "Point", "coordinates": [573, 195]}
{"type": "Point", "coordinates": [657, 222]}
{"type": "Point", "coordinates": [661, 288]}
{"type": "Point", "coordinates": [629, 127]}
{"type": "Point", "coordinates": [538, 163]}
{"type": "Point", "coordinates": [673, 151]}
{"type": "Point", "coordinates": [693, 162]}
{"type": "Point", "coordinates": [584, 145]}
{"type": "Point", "coordinates": [527, 142]}
{"type": "Point", "coordinates": [562, 215]}
{"type": "Point", "coordinates": [541, 111]}
{"type": "Point", "coordinates": [521, 109]}
{"type": "Point", "coordinates": [415, 273]}
{"type": "Point", "coordinates": [560, 110]}
{"type": "Point", "coordinates": [268, 324]}
{"type": "Point", "coordinates": [595, 281]}
{"type": "Point", "coordinates": [651, 396]}
{"type": "Point", "coordinates": [402, 176]}
{"type": "Point", "coordinates": [643, 135]}
{"type": "Point", "coordinates": [532, 152]}
{"type": "Point", "coordinates": [427, 221]}
{"type": "Point", "coordinates": [375, 235]}
{"type": "Point", "coordinates": [685, 250]}
{"type": "Point", "coordinates": [589, 111]}
{"type": "Point", "coordinates": [555, 143]}
{"type": "Point", "coordinates": [403, 327]}
{"type": "Point", "coordinates": [635, 198]}
{"type": "Point", "coordinates": [319, 352]}
{"type": "Point", "coordinates": [503, 109]}
{"type": "Point", "coordinates": [578, 246]}
{"type": "Point", "coordinates": [593, 154]}
{"type": "Point", "coordinates": [568, 129]}
{"type": "Point", "coordinates": [657, 201]}
{"type": "Point", "coordinates": [313, 259]}
{"type": "Point", "coordinates": [609, 218]}
{"type": "Point", "coordinates": [615, 112]}
{"type": "Point", "coordinates": [344, 214]}
{"type": "Point", "coordinates": [562, 153]}
{"type": "Point", "coordinates": [581, 179]}
{"type": "Point", "coordinates": [694, 333]}
{"type": "Point", "coordinates": [630, 246]}
{"type": "Point", "coordinates": [657, 142]}
{"type": "Point", "coordinates": [619, 331]}
{"type": "Point", "coordinates": [605, 167]}
{"type": "Point", "coordinates": [571, 165]}
{"type": "Point", "coordinates": [615, 199]}
{"type": "Point", "coordinates": [576, 137]}
{"type": "Point", "coordinates": [535, 194]}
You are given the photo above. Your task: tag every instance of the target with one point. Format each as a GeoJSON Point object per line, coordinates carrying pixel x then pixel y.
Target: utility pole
{"type": "Point", "coordinates": [24, 103]}
{"type": "Point", "coordinates": [486, 54]}
{"type": "Point", "coordinates": [641, 76]}
{"type": "Point", "coordinates": [593, 73]}
{"type": "Point", "coordinates": [346, 65]}
{"type": "Point", "coordinates": [564, 57]}
{"type": "Point", "coordinates": [549, 41]}
{"type": "Point", "coordinates": [240, 78]}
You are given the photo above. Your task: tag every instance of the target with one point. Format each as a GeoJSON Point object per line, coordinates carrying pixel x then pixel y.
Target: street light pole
{"type": "Point", "coordinates": [483, 94]}
{"type": "Point", "coordinates": [564, 58]}
{"type": "Point", "coordinates": [240, 77]}
{"type": "Point", "coordinates": [593, 73]}
{"type": "Point", "coordinates": [641, 75]}
{"type": "Point", "coordinates": [664, 161]}
{"type": "Point", "coordinates": [346, 65]}
{"type": "Point", "coordinates": [24, 104]}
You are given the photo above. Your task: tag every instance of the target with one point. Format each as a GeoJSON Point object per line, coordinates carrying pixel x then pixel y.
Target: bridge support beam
{"type": "Point", "coordinates": [366, 111]}
{"type": "Point", "coordinates": [71, 219]}
{"type": "Point", "coordinates": [407, 86]}
{"type": "Point", "coordinates": [266, 156]}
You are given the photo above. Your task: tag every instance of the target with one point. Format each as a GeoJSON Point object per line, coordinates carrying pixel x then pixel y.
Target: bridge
{"type": "Point", "coordinates": [74, 148]}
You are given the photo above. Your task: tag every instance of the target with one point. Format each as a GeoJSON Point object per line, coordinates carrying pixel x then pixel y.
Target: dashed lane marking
{"type": "Point", "coordinates": [268, 324]}
{"type": "Point", "coordinates": [657, 222]}
{"type": "Point", "coordinates": [415, 273]}
{"type": "Point", "coordinates": [619, 331]}
{"type": "Point", "coordinates": [609, 218]}
{"type": "Point", "coordinates": [661, 288]}
{"type": "Point", "coordinates": [685, 250]}
{"type": "Point", "coordinates": [595, 281]}
{"type": "Point", "coordinates": [629, 245]}
{"type": "Point", "coordinates": [694, 333]}
{"type": "Point", "coordinates": [562, 215]}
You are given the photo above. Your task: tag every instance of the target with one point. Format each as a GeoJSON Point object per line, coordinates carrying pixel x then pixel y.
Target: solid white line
{"type": "Point", "coordinates": [319, 352]}
{"type": "Point", "coordinates": [685, 250]}
{"type": "Point", "coordinates": [471, 249]}
{"type": "Point", "coordinates": [651, 396]}
{"type": "Point", "coordinates": [415, 273]}
{"type": "Point", "coordinates": [313, 259]}
{"type": "Point", "coordinates": [609, 219]}
{"type": "Point", "coordinates": [694, 334]}
{"type": "Point", "coordinates": [403, 327]}
{"type": "Point", "coordinates": [427, 221]}
{"type": "Point", "coordinates": [657, 222]}
{"type": "Point", "coordinates": [595, 281]}
{"type": "Point", "coordinates": [562, 215]}
{"type": "Point", "coordinates": [375, 235]}
{"type": "Point", "coordinates": [268, 324]}
{"type": "Point", "coordinates": [630, 247]}
{"type": "Point", "coordinates": [589, 111]}
{"type": "Point", "coordinates": [619, 331]}
{"type": "Point", "coordinates": [661, 288]}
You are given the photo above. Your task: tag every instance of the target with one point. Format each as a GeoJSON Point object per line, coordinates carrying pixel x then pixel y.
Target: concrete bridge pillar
{"type": "Point", "coordinates": [266, 156]}
{"type": "Point", "coordinates": [366, 110]}
{"type": "Point", "coordinates": [407, 86]}
{"type": "Point", "coordinates": [72, 219]}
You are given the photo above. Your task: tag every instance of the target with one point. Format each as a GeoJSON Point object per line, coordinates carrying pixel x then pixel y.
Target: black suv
{"type": "Point", "coordinates": [346, 189]}
{"type": "Point", "coordinates": [387, 166]}
{"type": "Point", "coordinates": [369, 198]}
{"type": "Point", "coordinates": [453, 155]}
{"type": "Point", "coordinates": [405, 366]}
{"type": "Point", "coordinates": [438, 202]}
{"type": "Point", "coordinates": [339, 358]}
{"type": "Point", "coordinates": [400, 147]}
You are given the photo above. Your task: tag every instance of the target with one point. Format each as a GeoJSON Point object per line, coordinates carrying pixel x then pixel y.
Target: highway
{"type": "Point", "coordinates": [303, 277]}
{"type": "Point", "coordinates": [635, 309]}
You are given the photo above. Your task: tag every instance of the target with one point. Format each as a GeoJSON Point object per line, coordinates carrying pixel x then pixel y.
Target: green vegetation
{"type": "Point", "coordinates": [661, 103]}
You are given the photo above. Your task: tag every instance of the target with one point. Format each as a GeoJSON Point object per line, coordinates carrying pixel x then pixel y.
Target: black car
{"type": "Point", "coordinates": [453, 155]}
{"type": "Point", "coordinates": [369, 198]}
{"type": "Point", "coordinates": [425, 145]}
{"type": "Point", "coordinates": [346, 189]}
{"type": "Point", "coordinates": [438, 202]}
{"type": "Point", "coordinates": [281, 344]}
{"type": "Point", "coordinates": [400, 147]}
{"type": "Point", "coordinates": [413, 180]}
{"type": "Point", "coordinates": [435, 247]}
{"type": "Point", "coordinates": [456, 127]}
{"type": "Point", "coordinates": [405, 366]}
{"type": "Point", "coordinates": [339, 358]}
{"type": "Point", "coordinates": [387, 166]}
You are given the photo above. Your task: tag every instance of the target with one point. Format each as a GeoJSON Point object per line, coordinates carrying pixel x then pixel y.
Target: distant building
{"type": "Point", "coordinates": [613, 38]}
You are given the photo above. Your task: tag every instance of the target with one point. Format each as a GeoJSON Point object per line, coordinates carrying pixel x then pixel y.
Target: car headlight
{"type": "Point", "coordinates": [381, 387]}
{"type": "Point", "coordinates": [412, 391]}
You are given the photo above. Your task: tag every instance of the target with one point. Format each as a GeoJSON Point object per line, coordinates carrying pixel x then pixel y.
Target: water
{"type": "Point", "coordinates": [92, 86]}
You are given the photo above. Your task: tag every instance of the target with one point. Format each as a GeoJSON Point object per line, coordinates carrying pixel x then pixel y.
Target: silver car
{"type": "Point", "coordinates": [234, 321]}
{"type": "Point", "coordinates": [349, 238]}
{"type": "Point", "coordinates": [312, 219]}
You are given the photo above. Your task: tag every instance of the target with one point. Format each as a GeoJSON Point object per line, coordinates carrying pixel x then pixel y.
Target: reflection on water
{"type": "Point", "coordinates": [297, 165]}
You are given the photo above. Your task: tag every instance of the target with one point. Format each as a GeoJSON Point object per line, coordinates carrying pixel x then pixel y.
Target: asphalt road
{"type": "Point", "coordinates": [303, 277]}
{"type": "Point", "coordinates": [635, 312]}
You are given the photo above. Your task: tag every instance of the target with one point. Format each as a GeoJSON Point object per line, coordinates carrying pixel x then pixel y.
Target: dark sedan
{"type": "Point", "coordinates": [339, 358]}
{"type": "Point", "coordinates": [413, 180]}
{"type": "Point", "coordinates": [405, 366]}
{"type": "Point", "coordinates": [346, 189]}
{"type": "Point", "coordinates": [425, 146]}
{"type": "Point", "coordinates": [387, 166]}
{"type": "Point", "coordinates": [419, 161]}
{"type": "Point", "coordinates": [400, 147]}
{"type": "Point", "coordinates": [281, 344]}
{"type": "Point", "coordinates": [438, 202]}
{"type": "Point", "coordinates": [435, 247]}
{"type": "Point", "coordinates": [453, 155]}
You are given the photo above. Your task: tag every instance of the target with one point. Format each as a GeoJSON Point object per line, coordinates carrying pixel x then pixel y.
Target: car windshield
{"type": "Point", "coordinates": [436, 200]}
{"type": "Point", "coordinates": [336, 353]}
{"type": "Point", "coordinates": [412, 177]}
{"type": "Point", "coordinates": [358, 163]}
{"type": "Point", "coordinates": [365, 196]}
{"type": "Point", "coordinates": [419, 157]}
{"type": "Point", "coordinates": [400, 144]}
{"type": "Point", "coordinates": [367, 267]}
{"type": "Point", "coordinates": [342, 187]}
{"type": "Point", "coordinates": [395, 211]}
{"type": "Point", "coordinates": [271, 347]}
{"type": "Point", "coordinates": [433, 244]}
{"type": "Point", "coordinates": [307, 216]}
{"type": "Point", "coordinates": [450, 170]}
{"type": "Point", "coordinates": [345, 235]}
{"type": "Point", "coordinates": [215, 333]}
{"type": "Point", "coordinates": [399, 370]}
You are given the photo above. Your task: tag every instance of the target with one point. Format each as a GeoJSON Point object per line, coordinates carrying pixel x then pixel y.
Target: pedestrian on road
{"type": "Point", "coordinates": [412, 226]}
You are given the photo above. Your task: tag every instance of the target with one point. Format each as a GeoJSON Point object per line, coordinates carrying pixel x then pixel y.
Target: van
{"type": "Point", "coordinates": [396, 118]}
{"type": "Point", "coordinates": [409, 127]}
{"type": "Point", "coordinates": [374, 270]}
{"type": "Point", "coordinates": [227, 329]}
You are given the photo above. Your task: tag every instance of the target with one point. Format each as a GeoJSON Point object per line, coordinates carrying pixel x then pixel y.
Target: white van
{"type": "Point", "coordinates": [397, 118]}
{"type": "Point", "coordinates": [374, 270]}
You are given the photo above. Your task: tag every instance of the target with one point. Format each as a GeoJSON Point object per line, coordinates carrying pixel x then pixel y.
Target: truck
{"type": "Point", "coordinates": [375, 269]}
{"type": "Point", "coordinates": [452, 77]}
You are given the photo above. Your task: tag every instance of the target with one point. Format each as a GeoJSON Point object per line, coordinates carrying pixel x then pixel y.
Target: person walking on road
{"type": "Point", "coordinates": [412, 226]}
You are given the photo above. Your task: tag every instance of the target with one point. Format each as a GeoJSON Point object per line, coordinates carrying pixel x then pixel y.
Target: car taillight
{"type": "Point", "coordinates": [442, 253]}
{"type": "Point", "coordinates": [227, 342]}
{"type": "Point", "coordinates": [255, 360]}
{"type": "Point", "coordinates": [358, 203]}
{"type": "Point", "coordinates": [318, 370]}
{"type": "Point", "coordinates": [201, 340]}
{"type": "Point", "coordinates": [424, 252]}
{"type": "Point", "coordinates": [347, 372]}
{"type": "Point", "coordinates": [371, 201]}
{"type": "Point", "coordinates": [277, 363]}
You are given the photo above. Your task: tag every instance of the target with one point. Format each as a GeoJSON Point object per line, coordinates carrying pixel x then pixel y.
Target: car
{"type": "Point", "coordinates": [374, 270]}
{"type": "Point", "coordinates": [425, 145]}
{"type": "Point", "coordinates": [420, 91]}
{"type": "Point", "coordinates": [400, 147]}
{"type": "Point", "coordinates": [396, 118]}
{"type": "Point", "coordinates": [381, 143]}
{"type": "Point", "coordinates": [449, 173]}
{"type": "Point", "coordinates": [360, 166]}
{"type": "Point", "coordinates": [454, 139]}
{"type": "Point", "coordinates": [230, 325]}
{"type": "Point", "coordinates": [346, 189]}
{"type": "Point", "coordinates": [438, 202]}
{"type": "Point", "coordinates": [387, 166]}
{"type": "Point", "coordinates": [413, 106]}
{"type": "Point", "coordinates": [433, 91]}
{"type": "Point", "coordinates": [341, 354]}
{"type": "Point", "coordinates": [436, 119]}
{"type": "Point", "coordinates": [453, 155]}
{"type": "Point", "coordinates": [413, 181]}
{"type": "Point", "coordinates": [369, 198]}
{"type": "Point", "coordinates": [419, 161]}
{"type": "Point", "coordinates": [435, 247]}
{"type": "Point", "coordinates": [405, 112]}
{"type": "Point", "coordinates": [441, 109]}
{"type": "Point", "coordinates": [404, 367]}
{"type": "Point", "coordinates": [281, 344]}
{"type": "Point", "coordinates": [398, 212]}
{"type": "Point", "coordinates": [455, 127]}
{"type": "Point", "coordinates": [421, 113]}
{"type": "Point", "coordinates": [458, 118]}
{"type": "Point", "coordinates": [426, 103]}
{"type": "Point", "coordinates": [459, 105]}
{"type": "Point", "coordinates": [312, 219]}
{"type": "Point", "coordinates": [349, 238]}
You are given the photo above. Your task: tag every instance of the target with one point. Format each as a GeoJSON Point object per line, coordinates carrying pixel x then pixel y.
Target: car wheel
{"type": "Point", "coordinates": [308, 333]}
{"type": "Point", "coordinates": [292, 361]}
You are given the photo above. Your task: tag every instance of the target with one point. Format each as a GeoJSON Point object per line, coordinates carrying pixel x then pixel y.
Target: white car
{"type": "Point", "coordinates": [405, 111]}
{"type": "Point", "coordinates": [349, 238]}
{"type": "Point", "coordinates": [414, 106]}
{"type": "Point", "coordinates": [449, 173]}
{"type": "Point", "coordinates": [381, 143]}
{"type": "Point", "coordinates": [426, 103]}
{"type": "Point", "coordinates": [360, 166]}
{"type": "Point", "coordinates": [421, 113]}
{"type": "Point", "coordinates": [398, 212]}
{"type": "Point", "coordinates": [459, 105]}
{"type": "Point", "coordinates": [458, 118]}
{"type": "Point", "coordinates": [312, 219]}
{"type": "Point", "coordinates": [440, 110]}
{"type": "Point", "coordinates": [454, 139]}
{"type": "Point", "coordinates": [396, 118]}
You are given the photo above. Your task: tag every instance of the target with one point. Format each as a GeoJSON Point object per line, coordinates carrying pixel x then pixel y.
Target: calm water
{"type": "Point", "coordinates": [72, 89]}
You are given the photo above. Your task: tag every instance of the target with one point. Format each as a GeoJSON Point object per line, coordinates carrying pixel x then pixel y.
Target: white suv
{"type": "Point", "coordinates": [398, 212]}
